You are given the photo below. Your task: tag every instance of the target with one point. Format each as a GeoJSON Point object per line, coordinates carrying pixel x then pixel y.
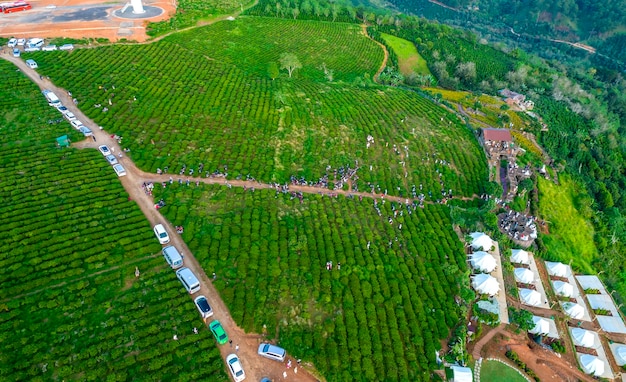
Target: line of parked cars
{"type": "Point", "coordinates": [192, 285]}
{"type": "Point", "coordinates": [34, 44]}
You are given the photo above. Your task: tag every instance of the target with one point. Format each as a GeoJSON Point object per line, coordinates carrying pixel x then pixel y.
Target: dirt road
{"type": "Point", "coordinates": [254, 366]}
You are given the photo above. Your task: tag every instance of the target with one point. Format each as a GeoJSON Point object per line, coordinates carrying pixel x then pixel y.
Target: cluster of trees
{"type": "Point", "coordinates": [380, 315]}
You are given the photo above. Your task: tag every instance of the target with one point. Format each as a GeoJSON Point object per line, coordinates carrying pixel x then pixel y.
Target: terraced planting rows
{"type": "Point", "coordinates": [377, 315]}
{"type": "Point", "coordinates": [72, 308]}
{"type": "Point", "coordinates": [188, 100]}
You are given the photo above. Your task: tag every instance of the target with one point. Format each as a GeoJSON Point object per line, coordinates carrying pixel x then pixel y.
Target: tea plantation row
{"type": "Point", "coordinates": [380, 316]}
{"type": "Point", "coordinates": [72, 308]}
{"type": "Point", "coordinates": [203, 96]}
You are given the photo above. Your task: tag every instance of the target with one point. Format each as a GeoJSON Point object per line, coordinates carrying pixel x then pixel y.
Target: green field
{"type": "Point", "coordinates": [409, 59]}
{"type": "Point", "coordinates": [205, 97]}
{"type": "Point", "coordinates": [380, 317]}
{"type": "Point", "coordinates": [571, 234]}
{"type": "Point", "coordinates": [494, 371]}
{"type": "Point", "coordinates": [71, 306]}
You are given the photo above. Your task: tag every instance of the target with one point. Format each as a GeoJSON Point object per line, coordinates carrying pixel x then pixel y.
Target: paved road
{"type": "Point", "coordinates": [255, 366]}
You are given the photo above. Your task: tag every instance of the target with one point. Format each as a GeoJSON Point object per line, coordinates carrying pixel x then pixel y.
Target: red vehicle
{"type": "Point", "coordinates": [15, 7]}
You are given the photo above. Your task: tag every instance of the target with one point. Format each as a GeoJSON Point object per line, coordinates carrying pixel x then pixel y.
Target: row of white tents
{"type": "Point", "coordinates": [483, 262]}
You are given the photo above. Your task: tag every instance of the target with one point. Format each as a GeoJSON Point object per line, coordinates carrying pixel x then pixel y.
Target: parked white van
{"type": "Point", "coordinates": [173, 257]}
{"type": "Point", "coordinates": [35, 43]}
{"type": "Point", "coordinates": [272, 352]}
{"type": "Point", "coordinates": [189, 280]}
{"type": "Point", "coordinates": [52, 98]}
{"type": "Point", "coordinates": [31, 63]}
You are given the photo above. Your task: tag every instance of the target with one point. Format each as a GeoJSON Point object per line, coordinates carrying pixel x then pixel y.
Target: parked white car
{"type": "Point", "coordinates": [119, 170]}
{"type": "Point", "coordinates": [21, 41]}
{"type": "Point", "coordinates": [161, 234]}
{"type": "Point", "coordinates": [234, 365]}
{"type": "Point", "coordinates": [66, 47]}
{"type": "Point", "coordinates": [49, 48]}
{"type": "Point", "coordinates": [104, 150]}
{"type": "Point", "coordinates": [12, 43]}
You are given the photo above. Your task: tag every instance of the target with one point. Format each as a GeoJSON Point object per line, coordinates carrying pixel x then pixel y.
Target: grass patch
{"type": "Point", "coordinates": [571, 234]}
{"type": "Point", "coordinates": [494, 371]}
{"type": "Point", "coordinates": [409, 59]}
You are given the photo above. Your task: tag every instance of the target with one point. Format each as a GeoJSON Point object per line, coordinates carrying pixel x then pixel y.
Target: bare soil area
{"type": "Point", "coordinates": [81, 19]}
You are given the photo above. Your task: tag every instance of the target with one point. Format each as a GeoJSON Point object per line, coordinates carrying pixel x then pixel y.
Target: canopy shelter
{"type": "Point", "coordinates": [574, 310]}
{"type": "Point", "coordinates": [557, 269]}
{"type": "Point", "coordinates": [461, 374]}
{"type": "Point", "coordinates": [584, 338]}
{"type": "Point", "coordinates": [481, 241]}
{"type": "Point", "coordinates": [524, 276]}
{"type": "Point", "coordinates": [519, 256]}
{"type": "Point", "coordinates": [63, 141]}
{"type": "Point", "coordinates": [483, 261]}
{"type": "Point", "coordinates": [486, 284]}
{"type": "Point", "coordinates": [542, 326]}
{"type": "Point", "coordinates": [530, 297]}
{"type": "Point", "coordinates": [592, 365]}
{"type": "Point", "coordinates": [563, 289]}
{"type": "Point", "coordinates": [620, 355]}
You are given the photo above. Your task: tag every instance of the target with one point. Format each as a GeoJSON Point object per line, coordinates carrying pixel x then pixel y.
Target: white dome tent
{"type": "Point", "coordinates": [530, 297]}
{"type": "Point", "coordinates": [557, 269]}
{"type": "Point", "coordinates": [524, 276]}
{"type": "Point", "coordinates": [574, 310]}
{"type": "Point", "coordinates": [563, 289]}
{"type": "Point", "coordinates": [481, 241]}
{"type": "Point", "coordinates": [621, 354]}
{"type": "Point", "coordinates": [486, 284]}
{"type": "Point", "coordinates": [542, 326]}
{"type": "Point", "coordinates": [584, 338]}
{"type": "Point", "coordinates": [519, 256]}
{"type": "Point", "coordinates": [592, 364]}
{"type": "Point", "coordinates": [483, 261]}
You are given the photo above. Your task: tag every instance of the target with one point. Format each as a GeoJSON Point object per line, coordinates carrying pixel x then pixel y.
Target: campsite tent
{"type": "Point", "coordinates": [563, 289]}
{"type": "Point", "coordinates": [63, 141]}
{"type": "Point", "coordinates": [557, 269]}
{"type": "Point", "coordinates": [519, 256]}
{"type": "Point", "coordinates": [461, 374]}
{"type": "Point", "coordinates": [620, 352]}
{"type": "Point", "coordinates": [530, 297]}
{"type": "Point", "coordinates": [584, 338]}
{"type": "Point", "coordinates": [485, 284]}
{"type": "Point", "coordinates": [542, 326]}
{"type": "Point", "coordinates": [524, 276]}
{"type": "Point", "coordinates": [592, 364]}
{"type": "Point", "coordinates": [483, 261]}
{"type": "Point", "coordinates": [574, 310]}
{"type": "Point", "coordinates": [481, 241]}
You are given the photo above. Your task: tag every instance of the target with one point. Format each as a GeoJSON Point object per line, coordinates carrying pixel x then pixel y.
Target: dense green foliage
{"type": "Point", "coordinates": [71, 306]}
{"type": "Point", "coordinates": [449, 52]}
{"type": "Point", "coordinates": [200, 101]}
{"type": "Point", "coordinates": [379, 317]}
{"type": "Point", "coordinates": [327, 10]}
{"type": "Point", "coordinates": [572, 20]}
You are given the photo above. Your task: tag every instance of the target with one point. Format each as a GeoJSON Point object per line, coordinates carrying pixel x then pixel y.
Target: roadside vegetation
{"type": "Point", "coordinates": [72, 307]}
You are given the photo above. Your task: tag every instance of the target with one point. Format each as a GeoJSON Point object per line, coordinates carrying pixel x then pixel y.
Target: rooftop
{"type": "Point", "coordinates": [491, 134]}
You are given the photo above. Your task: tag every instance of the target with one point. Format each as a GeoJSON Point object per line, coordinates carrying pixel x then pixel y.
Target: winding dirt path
{"type": "Point", "coordinates": [485, 339]}
{"type": "Point", "coordinates": [384, 64]}
{"type": "Point", "coordinates": [255, 366]}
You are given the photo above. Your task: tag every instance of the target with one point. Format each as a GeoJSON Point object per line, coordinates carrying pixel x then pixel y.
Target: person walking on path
{"type": "Point", "coordinates": [237, 348]}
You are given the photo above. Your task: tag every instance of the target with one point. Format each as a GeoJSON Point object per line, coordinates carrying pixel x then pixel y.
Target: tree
{"type": "Point", "coordinates": [523, 319]}
{"type": "Point", "coordinates": [290, 62]}
{"type": "Point", "coordinates": [272, 70]}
